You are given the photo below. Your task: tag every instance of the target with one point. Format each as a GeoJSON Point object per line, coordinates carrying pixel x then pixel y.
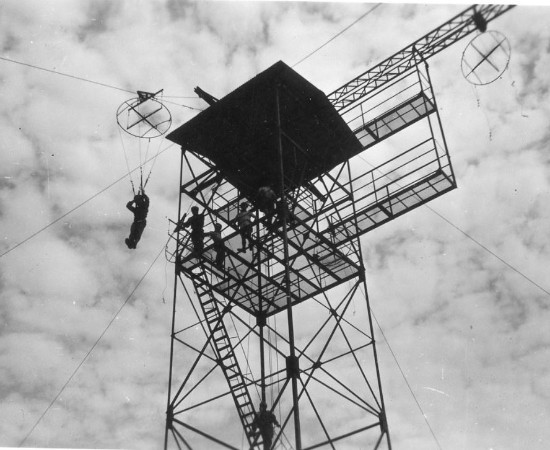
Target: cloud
{"type": "Point", "coordinates": [458, 320]}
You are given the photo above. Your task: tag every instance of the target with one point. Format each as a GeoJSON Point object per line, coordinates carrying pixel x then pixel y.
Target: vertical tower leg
{"type": "Point", "coordinates": [292, 360]}
{"type": "Point", "coordinates": [382, 415]}
{"type": "Point", "coordinates": [363, 280]}
{"type": "Point", "coordinates": [169, 410]}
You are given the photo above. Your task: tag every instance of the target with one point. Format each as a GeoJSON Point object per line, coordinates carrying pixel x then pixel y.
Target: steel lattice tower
{"type": "Point", "coordinates": [289, 321]}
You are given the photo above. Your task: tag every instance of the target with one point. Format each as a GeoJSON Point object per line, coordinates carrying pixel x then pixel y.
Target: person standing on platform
{"type": "Point", "coordinates": [196, 222]}
{"type": "Point", "coordinates": [266, 202]}
{"type": "Point", "coordinates": [244, 222]}
{"type": "Point", "coordinates": [219, 245]}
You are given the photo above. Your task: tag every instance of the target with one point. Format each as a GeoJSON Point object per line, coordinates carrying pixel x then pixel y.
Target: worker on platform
{"type": "Point", "coordinates": [265, 201]}
{"type": "Point", "coordinates": [196, 222]}
{"type": "Point", "coordinates": [140, 207]}
{"type": "Point", "coordinates": [219, 245]}
{"type": "Point", "coordinates": [266, 422]}
{"type": "Point", "coordinates": [244, 222]}
{"type": "Point", "coordinates": [284, 212]}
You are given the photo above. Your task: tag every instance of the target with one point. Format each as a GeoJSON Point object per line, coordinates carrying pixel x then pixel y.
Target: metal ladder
{"type": "Point", "coordinates": [227, 359]}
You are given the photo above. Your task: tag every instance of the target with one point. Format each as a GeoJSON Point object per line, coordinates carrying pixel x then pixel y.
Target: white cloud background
{"type": "Point", "coordinates": [469, 333]}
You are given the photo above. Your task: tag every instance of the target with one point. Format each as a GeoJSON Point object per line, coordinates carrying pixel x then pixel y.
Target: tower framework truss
{"type": "Point", "coordinates": [249, 332]}
{"type": "Point", "coordinates": [287, 321]}
{"type": "Point", "coordinates": [427, 46]}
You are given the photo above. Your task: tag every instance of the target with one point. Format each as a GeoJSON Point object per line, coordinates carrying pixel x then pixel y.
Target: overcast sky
{"type": "Point", "coordinates": [459, 287]}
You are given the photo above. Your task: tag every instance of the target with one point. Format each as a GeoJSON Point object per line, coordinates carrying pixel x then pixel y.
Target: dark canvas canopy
{"type": "Point", "coordinates": [238, 133]}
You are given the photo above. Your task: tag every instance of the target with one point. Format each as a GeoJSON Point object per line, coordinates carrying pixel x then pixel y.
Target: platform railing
{"type": "Point", "coordinates": [394, 187]}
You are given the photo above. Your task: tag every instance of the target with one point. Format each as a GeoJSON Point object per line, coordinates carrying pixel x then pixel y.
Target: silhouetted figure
{"type": "Point", "coordinates": [219, 245]}
{"type": "Point", "coordinates": [265, 421]}
{"type": "Point", "coordinates": [284, 211]}
{"type": "Point", "coordinates": [140, 207]}
{"type": "Point", "coordinates": [266, 202]}
{"type": "Point", "coordinates": [196, 222]}
{"type": "Point", "coordinates": [244, 222]}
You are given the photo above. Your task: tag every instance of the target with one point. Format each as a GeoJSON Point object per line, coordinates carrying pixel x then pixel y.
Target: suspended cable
{"type": "Point", "coordinates": [184, 106]}
{"type": "Point", "coordinates": [93, 346]}
{"type": "Point", "coordinates": [404, 376]}
{"type": "Point", "coordinates": [484, 248]}
{"type": "Point", "coordinates": [456, 227]}
{"type": "Point", "coordinates": [126, 159]}
{"type": "Point", "coordinates": [64, 74]}
{"type": "Point", "coordinates": [338, 34]}
{"type": "Point", "coordinates": [165, 271]}
{"type": "Point", "coordinates": [478, 100]}
{"type": "Point", "coordinates": [56, 72]}
{"type": "Point", "coordinates": [277, 358]}
{"type": "Point", "coordinates": [270, 358]}
{"type": "Point", "coordinates": [490, 251]}
{"type": "Point", "coordinates": [195, 97]}
{"type": "Point", "coordinates": [73, 209]}
{"type": "Point", "coordinates": [241, 345]}
{"type": "Point", "coordinates": [152, 165]}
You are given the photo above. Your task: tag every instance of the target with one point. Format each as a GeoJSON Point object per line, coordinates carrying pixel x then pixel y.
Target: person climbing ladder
{"type": "Point", "coordinates": [266, 422]}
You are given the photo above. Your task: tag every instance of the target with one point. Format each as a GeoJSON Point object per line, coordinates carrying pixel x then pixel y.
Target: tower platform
{"type": "Point", "coordinates": [255, 279]}
{"type": "Point", "coordinates": [341, 175]}
{"type": "Point", "coordinates": [239, 133]}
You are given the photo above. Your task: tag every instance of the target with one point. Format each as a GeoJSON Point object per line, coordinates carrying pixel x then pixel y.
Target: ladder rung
{"type": "Point", "coordinates": [236, 376]}
{"type": "Point", "coordinates": [249, 424]}
{"type": "Point", "coordinates": [238, 386]}
{"type": "Point", "coordinates": [243, 415]}
{"type": "Point", "coordinates": [211, 311]}
{"type": "Point", "coordinates": [214, 319]}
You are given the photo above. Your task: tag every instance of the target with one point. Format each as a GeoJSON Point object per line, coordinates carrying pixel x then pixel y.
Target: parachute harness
{"type": "Point", "coordinates": [144, 117]}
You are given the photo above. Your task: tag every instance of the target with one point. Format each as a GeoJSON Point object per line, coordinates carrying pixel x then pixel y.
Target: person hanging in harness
{"type": "Point", "coordinates": [266, 422]}
{"type": "Point", "coordinates": [196, 222]}
{"type": "Point", "coordinates": [140, 207]}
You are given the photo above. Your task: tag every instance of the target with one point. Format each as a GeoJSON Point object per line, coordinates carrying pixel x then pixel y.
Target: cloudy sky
{"type": "Point", "coordinates": [459, 287]}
